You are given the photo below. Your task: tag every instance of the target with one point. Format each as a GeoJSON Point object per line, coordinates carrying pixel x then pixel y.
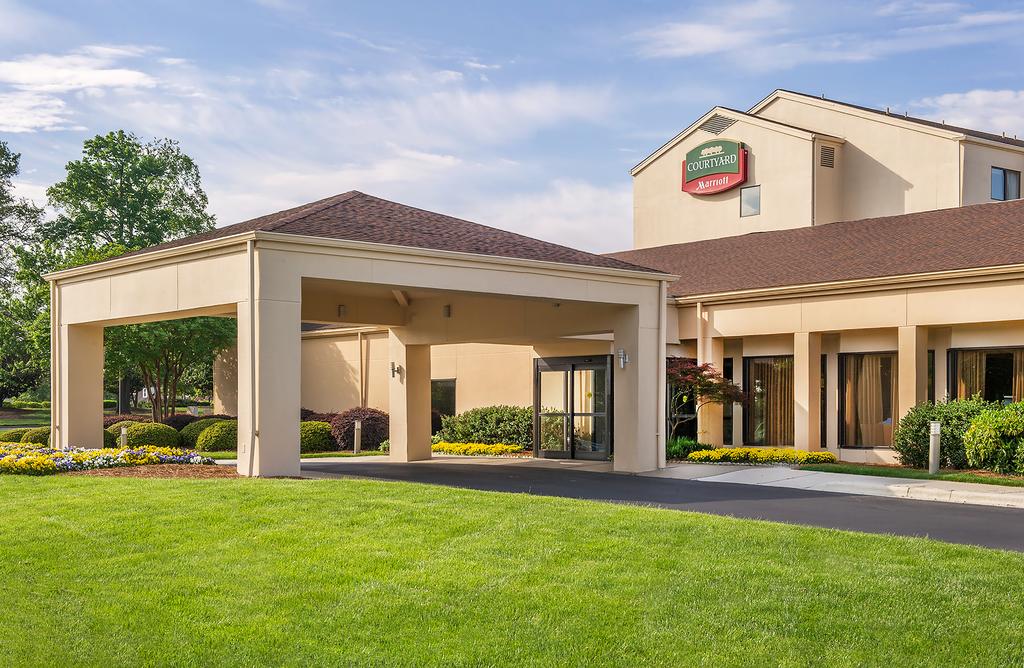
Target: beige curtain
{"type": "Point", "coordinates": [869, 395]}
{"type": "Point", "coordinates": [1018, 375]}
{"type": "Point", "coordinates": [970, 373]}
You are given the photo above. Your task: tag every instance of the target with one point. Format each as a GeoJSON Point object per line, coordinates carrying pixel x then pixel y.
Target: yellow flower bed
{"type": "Point", "coordinates": [481, 449]}
{"type": "Point", "coordinates": [31, 459]}
{"type": "Point", "coordinates": [762, 456]}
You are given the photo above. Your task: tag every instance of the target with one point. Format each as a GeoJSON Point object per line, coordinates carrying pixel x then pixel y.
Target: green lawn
{"type": "Point", "coordinates": [232, 454]}
{"type": "Point", "coordinates": [14, 417]}
{"type": "Point", "coordinates": [917, 474]}
{"type": "Point", "coordinates": [117, 571]}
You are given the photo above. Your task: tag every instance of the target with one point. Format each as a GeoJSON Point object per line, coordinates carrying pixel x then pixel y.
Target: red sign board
{"type": "Point", "coordinates": [714, 167]}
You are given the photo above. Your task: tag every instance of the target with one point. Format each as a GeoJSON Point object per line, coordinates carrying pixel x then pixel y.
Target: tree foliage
{"type": "Point", "coordinates": [163, 353]}
{"type": "Point", "coordinates": [129, 194]}
{"type": "Point", "coordinates": [700, 383]}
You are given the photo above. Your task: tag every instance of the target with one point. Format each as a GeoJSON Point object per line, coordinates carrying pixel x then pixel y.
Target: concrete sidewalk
{"type": "Point", "coordinates": [845, 483]}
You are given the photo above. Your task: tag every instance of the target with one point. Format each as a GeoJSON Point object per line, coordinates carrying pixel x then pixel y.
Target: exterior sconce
{"type": "Point", "coordinates": [342, 310]}
{"type": "Point", "coordinates": [623, 358]}
{"type": "Point", "coordinates": [395, 369]}
{"type": "Point", "coordinates": [447, 310]}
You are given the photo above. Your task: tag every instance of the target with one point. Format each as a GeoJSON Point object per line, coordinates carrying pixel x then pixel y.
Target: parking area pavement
{"type": "Point", "coordinates": [952, 522]}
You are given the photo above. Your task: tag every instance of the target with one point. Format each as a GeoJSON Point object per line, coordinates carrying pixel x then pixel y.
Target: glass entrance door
{"type": "Point", "coordinates": [572, 407]}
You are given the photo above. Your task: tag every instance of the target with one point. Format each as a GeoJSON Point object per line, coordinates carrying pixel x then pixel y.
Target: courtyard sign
{"type": "Point", "coordinates": [714, 166]}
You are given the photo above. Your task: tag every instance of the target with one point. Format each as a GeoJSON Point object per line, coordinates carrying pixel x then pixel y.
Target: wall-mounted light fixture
{"type": "Point", "coordinates": [394, 369]}
{"type": "Point", "coordinates": [447, 310]}
{"type": "Point", "coordinates": [342, 310]}
{"type": "Point", "coordinates": [623, 358]}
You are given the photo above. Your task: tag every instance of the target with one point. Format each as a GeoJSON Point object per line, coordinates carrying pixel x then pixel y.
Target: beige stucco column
{"type": "Point", "coordinates": [225, 382]}
{"type": "Point", "coordinates": [807, 391]}
{"type": "Point", "coordinates": [409, 398]}
{"type": "Point", "coordinates": [913, 368]}
{"type": "Point", "coordinates": [636, 411]}
{"type": "Point", "coordinates": [77, 358]}
{"type": "Point", "coordinates": [709, 417]}
{"type": "Point", "coordinates": [269, 382]}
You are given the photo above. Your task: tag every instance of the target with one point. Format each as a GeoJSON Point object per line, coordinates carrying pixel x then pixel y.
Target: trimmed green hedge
{"type": "Point", "coordinates": [911, 437]}
{"type": "Point", "coordinates": [110, 439]}
{"type": "Point", "coordinates": [218, 437]}
{"type": "Point", "coordinates": [681, 447]}
{"type": "Point", "coordinates": [153, 433]}
{"type": "Point", "coordinates": [511, 425]}
{"type": "Point", "coordinates": [39, 436]}
{"type": "Point", "coordinates": [995, 439]}
{"type": "Point", "coordinates": [315, 436]}
{"type": "Point", "coordinates": [13, 435]}
{"type": "Point", "coordinates": [115, 428]}
{"type": "Point", "coordinates": [190, 433]}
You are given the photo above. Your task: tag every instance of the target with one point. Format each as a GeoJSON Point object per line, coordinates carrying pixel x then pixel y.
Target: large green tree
{"type": "Point", "coordinates": [125, 195]}
{"type": "Point", "coordinates": [20, 369]}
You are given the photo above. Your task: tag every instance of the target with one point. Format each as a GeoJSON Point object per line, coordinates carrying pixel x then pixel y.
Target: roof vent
{"type": "Point", "coordinates": [828, 156]}
{"type": "Point", "coordinates": [717, 124]}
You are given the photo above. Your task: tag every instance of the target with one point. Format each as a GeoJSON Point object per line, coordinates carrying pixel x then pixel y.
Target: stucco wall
{"type": "Point", "coordinates": [978, 163]}
{"type": "Point", "coordinates": [888, 168]}
{"type": "Point", "coordinates": [777, 161]}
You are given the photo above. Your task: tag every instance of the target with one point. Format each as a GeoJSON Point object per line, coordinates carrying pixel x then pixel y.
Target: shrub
{"type": "Point", "coordinates": [179, 421]}
{"type": "Point", "coordinates": [307, 415]}
{"type": "Point", "coordinates": [190, 434]}
{"type": "Point", "coordinates": [220, 416]}
{"type": "Point", "coordinates": [115, 428]}
{"type": "Point", "coordinates": [39, 436]}
{"type": "Point", "coordinates": [219, 437]}
{"type": "Point", "coordinates": [153, 433]}
{"type": "Point", "coordinates": [110, 439]}
{"type": "Point", "coordinates": [910, 439]}
{"type": "Point", "coordinates": [25, 404]}
{"type": "Point", "coordinates": [375, 428]}
{"type": "Point", "coordinates": [679, 448]}
{"type": "Point", "coordinates": [109, 404]}
{"type": "Point", "coordinates": [13, 435]}
{"type": "Point", "coordinates": [994, 439]}
{"type": "Point", "coordinates": [490, 424]}
{"type": "Point", "coordinates": [124, 417]}
{"type": "Point", "coordinates": [385, 445]}
{"type": "Point", "coordinates": [478, 449]}
{"type": "Point", "coordinates": [315, 437]}
{"type": "Point", "coordinates": [762, 456]}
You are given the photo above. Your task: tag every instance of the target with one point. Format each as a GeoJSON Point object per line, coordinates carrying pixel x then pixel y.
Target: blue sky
{"type": "Point", "coordinates": [523, 115]}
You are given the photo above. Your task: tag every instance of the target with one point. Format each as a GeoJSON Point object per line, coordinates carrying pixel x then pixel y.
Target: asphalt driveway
{"type": "Point", "coordinates": [956, 523]}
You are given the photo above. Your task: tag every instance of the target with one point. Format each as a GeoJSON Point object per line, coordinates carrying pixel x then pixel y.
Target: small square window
{"type": "Point", "coordinates": [750, 201]}
{"type": "Point", "coordinates": [1005, 184]}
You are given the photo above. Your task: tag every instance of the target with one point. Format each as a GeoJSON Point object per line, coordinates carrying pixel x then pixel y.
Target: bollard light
{"type": "Point", "coordinates": [124, 437]}
{"type": "Point", "coordinates": [357, 436]}
{"type": "Point", "coordinates": [934, 440]}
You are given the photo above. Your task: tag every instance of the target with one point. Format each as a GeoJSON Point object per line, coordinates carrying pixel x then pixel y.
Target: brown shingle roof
{"type": "Point", "coordinates": [982, 235]}
{"type": "Point", "coordinates": [356, 216]}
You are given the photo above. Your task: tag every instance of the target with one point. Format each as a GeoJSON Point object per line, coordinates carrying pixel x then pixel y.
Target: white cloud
{"type": "Point", "coordinates": [19, 23]}
{"type": "Point", "coordinates": [26, 111]}
{"type": "Point", "coordinates": [569, 212]}
{"type": "Point", "coordinates": [995, 111]}
{"type": "Point", "coordinates": [777, 36]}
{"type": "Point", "coordinates": [88, 67]}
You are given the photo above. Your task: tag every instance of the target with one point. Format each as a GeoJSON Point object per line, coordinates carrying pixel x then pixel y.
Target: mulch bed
{"type": "Point", "coordinates": [164, 471]}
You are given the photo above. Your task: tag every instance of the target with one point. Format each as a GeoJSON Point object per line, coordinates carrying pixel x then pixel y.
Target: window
{"type": "Point", "coordinates": [1005, 184]}
{"type": "Point", "coordinates": [442, 401]}
{"type": "Point", "coordinates": [768, 416]}
{"type": "Point", "coordinates": [727, 373]}
{"type": "Point", "coordinates": [931, 376]}
{"type": "Point", "coordinates": [823, 402]}
{"type": "Point", "coordinates": [868, 399]}
{"type": "Point", "coordinates": [995, 374]}
{"type": "Point", "coordinates": [750, 201]}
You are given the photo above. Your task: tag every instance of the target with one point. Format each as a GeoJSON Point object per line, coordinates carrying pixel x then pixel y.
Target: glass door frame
{"type": "Point", "coordinates": [569, 365]}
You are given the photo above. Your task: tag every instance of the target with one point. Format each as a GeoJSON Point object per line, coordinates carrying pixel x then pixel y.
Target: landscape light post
{"type": "Point", "coordinates": [934, 434]}
{"type": "Point", "coordinates": [357, 435]}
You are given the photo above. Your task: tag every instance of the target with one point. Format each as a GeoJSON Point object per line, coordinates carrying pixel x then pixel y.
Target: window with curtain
{"type": "Point", "coordinates": [869, 392]}
{"type": "Point", "coordinates": [768, 417]}
{"type": "Point", "coordinates": [995, 374]}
